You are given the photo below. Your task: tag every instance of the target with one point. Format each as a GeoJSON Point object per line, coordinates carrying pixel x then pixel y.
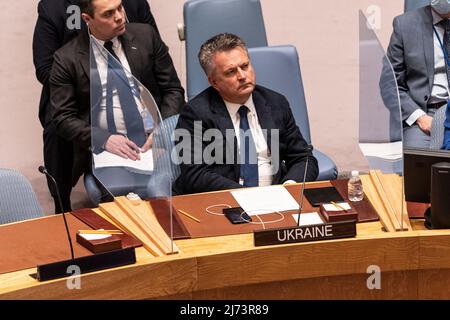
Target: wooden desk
{"type": "Point", "coordinates": [414, 265]}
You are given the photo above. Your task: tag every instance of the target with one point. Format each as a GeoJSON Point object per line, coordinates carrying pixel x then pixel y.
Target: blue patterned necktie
{"type": "Point", "coordinates": [117, 79]}
{"type": "Point", "coordinates": [249, 158]}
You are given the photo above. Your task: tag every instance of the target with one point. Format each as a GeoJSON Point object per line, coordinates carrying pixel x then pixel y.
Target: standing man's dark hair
{"type": "Point", "coordinates": [50, 34]}
{"type": "Point", "coordinates": [87, 6]}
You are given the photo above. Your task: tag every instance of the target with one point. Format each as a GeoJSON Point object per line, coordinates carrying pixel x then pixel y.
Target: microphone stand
{"type": "Point", "coordinates": [100, 261]}
{"type": "Point", "coordinates": [308, 149]}
{"type": "Point", "coordinates": [43, 170]}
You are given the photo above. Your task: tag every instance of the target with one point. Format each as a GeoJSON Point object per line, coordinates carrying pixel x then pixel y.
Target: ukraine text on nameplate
{"type": "Point", "coordinates": [329, 231]}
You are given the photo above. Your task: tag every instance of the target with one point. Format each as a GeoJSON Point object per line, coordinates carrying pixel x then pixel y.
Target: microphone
{"type": "Point", "coordinates": [309, 149]}
{"type": "Point", "coordinates": [96, 262]}
{"type": "Point", "coordinates": [43, 170]}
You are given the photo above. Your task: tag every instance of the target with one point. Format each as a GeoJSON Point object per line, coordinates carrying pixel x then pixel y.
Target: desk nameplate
{"type": "Point", "coordinates": [328, 231]}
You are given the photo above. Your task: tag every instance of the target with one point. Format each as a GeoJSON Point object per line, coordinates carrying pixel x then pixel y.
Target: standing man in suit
{"type": "Point", "coordinates": [418, 51]}
{"type": "Point", "coordinates": [235, 104]}
{"type": "Point", "coordinates": [137, 47]}
{"type": "Point", "coordinates": [51, 33]}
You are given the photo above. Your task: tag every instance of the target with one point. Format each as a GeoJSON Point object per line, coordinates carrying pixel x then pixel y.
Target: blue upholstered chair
{"type": "Point", "coordinates": [17, 198]}
{"type": "Point", "coordinates": [278, 68]}
{"type": "Point", "coordinates": [415, 4]}
{"type": "Point", "coordinates": [437, 128]}
{"type": "Point", "coordinates": [204, 19]}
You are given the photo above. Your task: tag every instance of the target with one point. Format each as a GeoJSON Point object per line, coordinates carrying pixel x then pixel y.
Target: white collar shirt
{"type": "Point", "coordinates": [264, 162]}
{"type": "Point", "coordinates": [101, 59]}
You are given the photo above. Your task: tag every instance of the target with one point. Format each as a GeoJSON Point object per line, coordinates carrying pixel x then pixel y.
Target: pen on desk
{"type": "Point", "coordinates": [338, 206]}
{"type": "Point", "coordinates": [188, 215]}
{"type": "Point", "coordinates": [101, 231]}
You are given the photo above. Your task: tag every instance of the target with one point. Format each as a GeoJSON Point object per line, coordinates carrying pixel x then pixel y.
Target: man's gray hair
{"type": "Point", "coordinates": [220, 43]}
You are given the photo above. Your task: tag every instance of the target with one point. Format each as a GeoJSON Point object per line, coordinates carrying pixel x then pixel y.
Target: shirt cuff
{"type": "Point", "coordinates": [289, 182]}
{"type": "Point", "coordinates": [414, 116]}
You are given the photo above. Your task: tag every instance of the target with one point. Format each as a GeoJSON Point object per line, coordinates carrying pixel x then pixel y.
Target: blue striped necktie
{"type": "Point", "coordinates": [117, 79]}
{"type": "Point", "coordinates": [249, 157]}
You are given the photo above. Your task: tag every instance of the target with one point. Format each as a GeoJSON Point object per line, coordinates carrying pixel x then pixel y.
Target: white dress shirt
{"type": "Point", "coordinates": [264, 161]}
{"type": "Point", "coordinates": [101, 58]}
{"type": "Point", "coordinates": [439, 91]}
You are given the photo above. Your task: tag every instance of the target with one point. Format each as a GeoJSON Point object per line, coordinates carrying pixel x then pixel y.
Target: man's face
{"type": "Point", "coordinates": [233, 76]}
{"type": "Point", "coordinates": [108, 20]}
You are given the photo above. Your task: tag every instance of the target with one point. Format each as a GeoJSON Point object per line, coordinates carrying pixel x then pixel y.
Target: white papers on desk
{"type": "Point", "coordinates": [263, 200]}
{"type": "Point", "coordinates": [308, 219]}
{"type": "Point", "coordinates": [388, 151]}
{"type": "Point", "coordinates": [91, 237]}
{"type": "Point", "coordinates": [107, 159]}
{"type": "Point", "coordinates": [341, 205]}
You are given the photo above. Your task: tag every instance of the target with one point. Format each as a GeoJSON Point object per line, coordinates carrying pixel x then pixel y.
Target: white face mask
{"type": "Point", "coordinates": [441, 6]}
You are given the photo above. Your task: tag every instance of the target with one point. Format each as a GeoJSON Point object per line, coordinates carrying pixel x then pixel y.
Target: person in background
{"type": "Point", "coordinates": [446, 145]}
{"type": "Point", "coordinates": [51, 33]}
{"type": "Point", "coordinates": [133, 46]}
{"type": "Point", "coordinates": [419, 53]}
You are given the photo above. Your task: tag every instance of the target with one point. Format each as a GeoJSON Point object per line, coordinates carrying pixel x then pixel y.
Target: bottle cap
{"type": "Point", "coordinates": [355, 173]}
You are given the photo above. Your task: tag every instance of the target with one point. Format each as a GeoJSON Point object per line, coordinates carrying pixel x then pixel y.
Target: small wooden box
{"type": "Point", "coordinates": [103, 245]}
{"type": "Point", "coordinates": [335, 214]}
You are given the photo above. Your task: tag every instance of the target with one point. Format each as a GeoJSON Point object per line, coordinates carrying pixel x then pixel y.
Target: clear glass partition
{"type": "Point", "coordinates": [131, 145]}
{"type": "Point", "coordinates": [380, 121]}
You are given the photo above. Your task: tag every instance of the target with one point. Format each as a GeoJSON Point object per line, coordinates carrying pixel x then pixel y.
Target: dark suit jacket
{"type": "Point", "coordinates": [273, 113]}
{"type": "Point", "coordinates": [411, 53]}
{"type": "Point", "coordinates": [51, 33]}
{"type": "Point", "coordinates": [149, 62]}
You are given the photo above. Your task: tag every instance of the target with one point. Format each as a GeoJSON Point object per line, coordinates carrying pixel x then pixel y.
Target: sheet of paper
{"type": "Point", "coordinates": [263, 200]}
{"type": "Point", "coordinates": [108, 159]}
{"type": "Point", "coordinates": [389, 151]}
{"type": "Point", "coordinates": [90, 237]}
{"type": "Point", "coordinates": [332, 207]}
{"type": "Point", "coordinates": [308, 219]}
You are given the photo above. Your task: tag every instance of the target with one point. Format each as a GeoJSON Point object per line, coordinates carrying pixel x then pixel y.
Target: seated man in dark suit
{"type": "Point", "coordinates": [136, 47]}
{"type": "Point", "coordinates": [51, 33]}
{"type": "Point", "coordinates": [239, 115]}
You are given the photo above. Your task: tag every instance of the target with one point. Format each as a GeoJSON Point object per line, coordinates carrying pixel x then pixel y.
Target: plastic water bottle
{"type": "Point", "coordinates": [355, 187]}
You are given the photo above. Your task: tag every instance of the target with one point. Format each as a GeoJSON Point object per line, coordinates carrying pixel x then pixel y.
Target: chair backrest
{"type": "Point", "coordinates": [169, 127]}
{"type": "Point", "coordinates": [159, 183]}
{"type": "Point", "coordinates": [277, 68]}
{"type": "Point", "coordinates": [204, 19]}
{"type": "Point", "coordinates": [17, 198]}
{"type": "Point", "coordinates": [437, 128]}
{"type": "Point", "coordinates": [415, 4]}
